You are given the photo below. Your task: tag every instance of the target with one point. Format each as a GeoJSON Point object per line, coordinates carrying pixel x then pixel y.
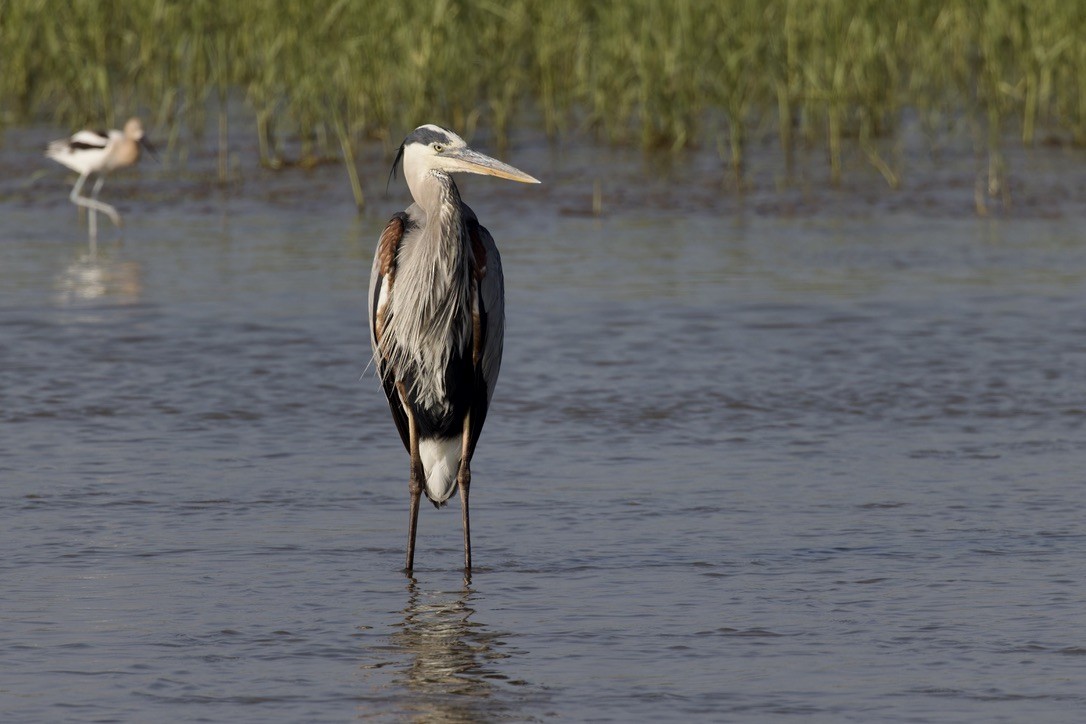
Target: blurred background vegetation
{"type": "Point", "coordinates": [713, 74]}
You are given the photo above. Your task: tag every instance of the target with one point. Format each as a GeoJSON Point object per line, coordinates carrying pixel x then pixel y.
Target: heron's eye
{"type": "Point", "coordinates": [438, 148]}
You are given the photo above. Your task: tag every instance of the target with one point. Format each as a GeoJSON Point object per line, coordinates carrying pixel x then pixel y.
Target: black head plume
{"type": "Point", "coordinates": [392, 173]}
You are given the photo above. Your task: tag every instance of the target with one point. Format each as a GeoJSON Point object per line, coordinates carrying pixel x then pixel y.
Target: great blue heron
{"type": "Point", "coordinates": [100, 152]}
{"type": "Point", "coordinates": [437, 318]}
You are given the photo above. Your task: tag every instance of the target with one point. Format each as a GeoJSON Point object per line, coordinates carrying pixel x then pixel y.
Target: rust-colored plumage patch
{"type": "Point", "coordinates": [387, 248]}
{"type": "Point", "coordinates": [388, 245]}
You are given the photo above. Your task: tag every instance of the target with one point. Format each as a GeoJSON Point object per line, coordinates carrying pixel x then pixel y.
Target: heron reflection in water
{"type": "Point", "coordinates": [450, 672]}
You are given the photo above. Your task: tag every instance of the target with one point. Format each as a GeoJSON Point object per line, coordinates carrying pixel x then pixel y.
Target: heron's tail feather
{"type": "Point", "coordinates": [441, 462]}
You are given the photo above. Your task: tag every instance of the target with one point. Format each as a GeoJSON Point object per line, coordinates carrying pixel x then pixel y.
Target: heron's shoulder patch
{"type": "Point", "coordinates": [389, 244]}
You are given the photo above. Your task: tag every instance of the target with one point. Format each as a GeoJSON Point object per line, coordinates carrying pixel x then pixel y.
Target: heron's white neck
{"type": "Point", "coordinates": [432, 189]}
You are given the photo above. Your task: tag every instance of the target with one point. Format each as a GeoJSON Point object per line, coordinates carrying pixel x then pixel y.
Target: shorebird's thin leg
{"type": "Point", "coordinates": [74, 195]}
{"type": "Point", "coordinates": [113, 215]}
{"type": "Point", "coordinates": [93, 203]}
{"type": "Point", "coordinates": [92, 217]}
{"type": "Point", "coordinates": [92, 230]}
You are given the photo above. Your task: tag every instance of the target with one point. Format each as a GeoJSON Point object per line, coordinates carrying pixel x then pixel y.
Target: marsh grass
{"type": "Point", "coordinates": [832, 74]}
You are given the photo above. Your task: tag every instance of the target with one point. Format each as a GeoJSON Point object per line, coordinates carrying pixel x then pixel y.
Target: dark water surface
{"type": "Point", "coordinates": [741, 467]}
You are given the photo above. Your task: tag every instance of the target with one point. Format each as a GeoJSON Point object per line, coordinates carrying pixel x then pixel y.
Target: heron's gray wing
{"type": "Point", "coordinates": [490, 293]}
{"type": "Point", "coordinates": [382, 283]}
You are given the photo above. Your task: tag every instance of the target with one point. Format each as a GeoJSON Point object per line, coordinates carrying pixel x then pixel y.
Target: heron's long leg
{"type": "Point", "coordinates": [415, 486]}
{"type": "Point", "coordinates": [415, 482]}
{"type": "Point", "coordinates": [463, 480]}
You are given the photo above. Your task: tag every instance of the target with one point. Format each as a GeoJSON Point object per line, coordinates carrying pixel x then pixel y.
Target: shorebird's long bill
{"type": "Point", "coordinates": [150, 149]}
{"type": "Point", "coordinates": [471, 161]}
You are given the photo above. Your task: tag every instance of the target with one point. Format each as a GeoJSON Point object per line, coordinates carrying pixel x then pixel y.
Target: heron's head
{"type": "Point", "coordinates": [432, 148]}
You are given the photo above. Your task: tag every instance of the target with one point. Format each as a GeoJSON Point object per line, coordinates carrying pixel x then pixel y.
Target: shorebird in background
{"type": "Point", "coordinates": [98, 152]}
{"type": "Point", "coordinates": [437, 319]}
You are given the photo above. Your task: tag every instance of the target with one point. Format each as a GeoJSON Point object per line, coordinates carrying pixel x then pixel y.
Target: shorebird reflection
{"type": "Point", "coordinates": [91, 277]}
{"type": "Point", "coordinates": [448, 671]}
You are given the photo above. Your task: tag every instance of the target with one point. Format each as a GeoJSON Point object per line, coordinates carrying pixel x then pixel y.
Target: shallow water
{"type": "Point", "coordinates": [738, 467]}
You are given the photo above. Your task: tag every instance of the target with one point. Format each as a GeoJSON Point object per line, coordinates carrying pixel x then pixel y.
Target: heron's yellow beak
{"type": "Point", "coordinates": [470, 161]}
